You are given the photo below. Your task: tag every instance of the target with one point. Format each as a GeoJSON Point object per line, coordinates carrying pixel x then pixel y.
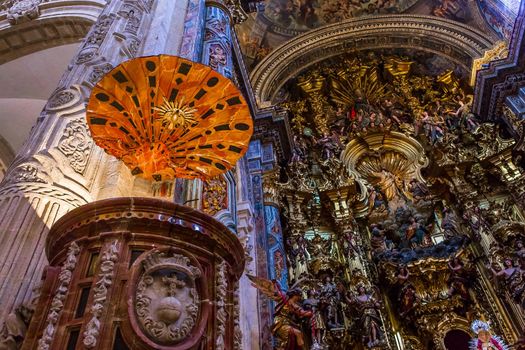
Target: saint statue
{"type": "Point", "coordinates": [286, 327]}
{"type": "Point", "coordinates": [367, 306]}
{"type": "Point", "coordinates": [485, 340]}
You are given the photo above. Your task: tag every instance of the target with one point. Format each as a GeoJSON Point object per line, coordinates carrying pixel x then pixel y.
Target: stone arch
{"type": "Point", "coordinates": [6, 156]}
{"type": "Point", "coordinates": [455, 41]}
{"type": "Point", "coordinates": [56, 23]}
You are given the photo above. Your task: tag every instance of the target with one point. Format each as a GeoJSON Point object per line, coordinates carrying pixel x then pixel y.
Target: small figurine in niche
{"type": "Point", "coordinates": [316, 322]}
{"type": "Point", "coordinates": [368, 308]}
{"type": "Point", "coordinates": [458, 280]}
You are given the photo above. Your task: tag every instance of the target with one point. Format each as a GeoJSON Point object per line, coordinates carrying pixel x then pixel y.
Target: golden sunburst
{"type": "Point", "coordinates": [176, 114]}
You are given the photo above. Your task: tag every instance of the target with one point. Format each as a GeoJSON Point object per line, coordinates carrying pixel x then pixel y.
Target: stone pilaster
{"type": "Point", "coordinates": [59, 166]}
{"type": "Point", "coordinates": [259, 236]}
{"type": "Point", "coordinates": [276, 252]}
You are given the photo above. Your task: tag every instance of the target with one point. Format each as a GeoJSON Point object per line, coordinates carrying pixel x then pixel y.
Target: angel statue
{"type": "Point", "coordinates": [485, 340]}
{"type": "Point", "coordinates": [366, 305]}
{"type": "Point", "coordinates": [286, 326]}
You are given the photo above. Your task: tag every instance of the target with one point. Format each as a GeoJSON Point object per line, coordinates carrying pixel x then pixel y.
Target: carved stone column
{"type": "Point", "coordinates": [58, 167]}
{"type": "Point", "coordinates": [139, 272]}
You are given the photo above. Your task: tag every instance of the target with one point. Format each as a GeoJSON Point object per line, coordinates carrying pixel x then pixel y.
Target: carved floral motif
{"type": "Point", "coordinates": [237, 332]}
{"type": "Point", "coordinates": [23, 10]}
{"type": "Point", "coordinates": [107, 268]}
{"type": "Point", "coordinates": [166, 300]}
{"type": "Point", "coordinates": [221, 315]}
{"type": "Point", "coordinates": [57, 305]}
{"type": "Point", "coordinates": [214, 195]}
{"type": "Point", "coordinates": [76, 144]}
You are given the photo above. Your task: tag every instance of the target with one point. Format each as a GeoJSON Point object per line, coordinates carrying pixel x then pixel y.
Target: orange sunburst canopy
{"type": "Point", "coordinates": [168, 117]}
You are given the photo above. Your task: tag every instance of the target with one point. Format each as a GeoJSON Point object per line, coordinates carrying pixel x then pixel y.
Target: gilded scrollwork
{"type": "Point", "coordinates": [214, 195]}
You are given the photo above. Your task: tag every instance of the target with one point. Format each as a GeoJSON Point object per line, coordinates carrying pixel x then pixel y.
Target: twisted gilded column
{"type": "Point", "coordinates": [58, 168]}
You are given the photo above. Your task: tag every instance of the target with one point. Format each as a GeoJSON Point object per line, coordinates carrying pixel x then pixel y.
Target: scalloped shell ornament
{"type": "Point", "coordinates": [166, 117]}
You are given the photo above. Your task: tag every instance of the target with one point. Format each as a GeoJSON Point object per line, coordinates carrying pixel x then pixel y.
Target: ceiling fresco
{"type": "Point", "coordinates": [273, 22]}
{"type": "Point", "coordinates": [500, 15]}
{"type": "Point", "coordinates": [307, 14]}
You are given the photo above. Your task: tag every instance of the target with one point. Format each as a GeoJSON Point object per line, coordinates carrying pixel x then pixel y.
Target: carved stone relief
{"type": "Point", "coordinates": [217, 41]}
{"type": "Point", "coordinates": [57, 305]}
{"type": "Point", "coordinates": [63, 98]}
{"type": "Point", "coordinates": [107, 269]}
{"type": "Point", "coordinates": [95, 38]}
{"type": "Point", "coordinates": [25, 173]}
{"type": "Point", "coordinates": [14, 330]}
{"type": "Point", "coordinates": [130, 47]}
{"type": "Point", "coordinates": [23, 10]}
{"type": "Point", "coordinates": [76, 144]}
{"type": "Point", "coordinates": [132, 22]}
{"type": "Point", "coordinates": [218, 56]}
{"type": "Point", "coordinates": [98, 72]}
{"type": "Point", "coordinates": [166, 299]}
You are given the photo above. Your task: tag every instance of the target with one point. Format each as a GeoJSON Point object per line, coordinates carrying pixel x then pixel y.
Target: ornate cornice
{"type": "Point", "coordinates": [455, 41]}
{"type": "Point", "coordinates": [170, 220]}
{"type": "Point", "coordinates": [58, 22]}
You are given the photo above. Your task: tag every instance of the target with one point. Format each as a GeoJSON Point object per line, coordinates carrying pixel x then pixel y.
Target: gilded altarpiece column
{"type": "Point", "coordinates": [58, 167]}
